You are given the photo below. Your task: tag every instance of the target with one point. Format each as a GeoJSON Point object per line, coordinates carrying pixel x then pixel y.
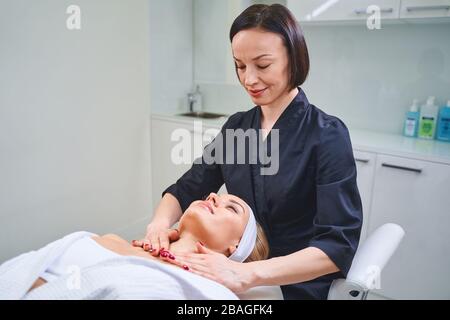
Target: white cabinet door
{"type": "Point", "coordinates": [365, 166]}
{"type": "Point", "coordinates": [416, 195]}
{"type": "Point", "coordinates": [425, 9]}
{"type": "Point", "coordinates": [164, 171]}
{"type": "Point", "coordinates": [335, 10]}
{"type": "Point", "coordinates": [200, 138]}
{"type": "Point", "coordinates": [170, 158]}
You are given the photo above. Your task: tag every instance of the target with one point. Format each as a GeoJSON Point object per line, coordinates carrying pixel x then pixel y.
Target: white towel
{"type": "Point", "coordinates": [123, 277]}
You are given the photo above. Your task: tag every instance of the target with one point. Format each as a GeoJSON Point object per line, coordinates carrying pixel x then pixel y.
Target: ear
{"type": "Point", "coordinates": [232, 249]}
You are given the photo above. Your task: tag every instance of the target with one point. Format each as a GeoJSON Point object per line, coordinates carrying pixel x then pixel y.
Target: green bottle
{"type": "Point", "coordinates": [428, 119]}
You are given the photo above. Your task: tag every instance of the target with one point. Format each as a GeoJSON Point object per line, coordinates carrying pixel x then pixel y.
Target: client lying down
{"type": "Point", "coordinates": [83, 265]}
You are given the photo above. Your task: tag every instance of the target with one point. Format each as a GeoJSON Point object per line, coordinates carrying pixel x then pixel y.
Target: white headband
{"type": "Point", "coordinates": [248, 240]}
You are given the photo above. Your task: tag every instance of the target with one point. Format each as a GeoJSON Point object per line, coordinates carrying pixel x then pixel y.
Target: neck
{"type": "Point", "coordinates": [185, 244]}
{"type": "Point", "coordinates": [271, 112]}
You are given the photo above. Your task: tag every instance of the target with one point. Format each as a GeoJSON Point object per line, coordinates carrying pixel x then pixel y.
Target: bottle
{"type": "Point", "coordinates": [443, 131]}
{"type": "Point", "coordinates": [428, 119]}
{"type": "Point", "coordinates": [412, 120]}
{"type": "Point", "coordinates": [198, 105]}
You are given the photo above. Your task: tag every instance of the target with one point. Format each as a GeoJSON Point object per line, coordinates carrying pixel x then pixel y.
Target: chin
{"type": "Point", "coordinates": [192, 212]}
{"type": "Point", "coordinates": [258, 99]}
{"type": "Point", "coordinates": [190, 215]}
{"type": "Point", "coordinates": [261, 102]}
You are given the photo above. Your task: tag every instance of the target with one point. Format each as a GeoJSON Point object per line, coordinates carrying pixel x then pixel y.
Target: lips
{"type": "Point", "coordinates": [207, 206]}
{"type": "Point", "coordinates": [256, 93]}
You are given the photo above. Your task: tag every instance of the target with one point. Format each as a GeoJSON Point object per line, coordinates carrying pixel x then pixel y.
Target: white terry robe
{"type": "Point", "coordinates": [122, 277]}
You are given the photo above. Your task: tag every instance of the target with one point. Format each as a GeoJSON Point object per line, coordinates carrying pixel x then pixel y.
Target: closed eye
{"type": "Point", "coordinates": [260, 67]}
{"type": "Point", "coordinates": [233, 209]}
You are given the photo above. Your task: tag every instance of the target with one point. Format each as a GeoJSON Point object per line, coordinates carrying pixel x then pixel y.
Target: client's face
{"type": "Point", "coordinates": [219, 221]}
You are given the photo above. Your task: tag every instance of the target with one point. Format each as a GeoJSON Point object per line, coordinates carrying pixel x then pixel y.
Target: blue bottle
{"type": "Point", "coordinates": [443, 129]}
{"type": "Point", "coordinates": [412, 120]}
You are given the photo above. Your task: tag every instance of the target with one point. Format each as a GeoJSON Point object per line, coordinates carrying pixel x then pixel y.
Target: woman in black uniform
{"type": "Point", "coordinates": [310, 209]}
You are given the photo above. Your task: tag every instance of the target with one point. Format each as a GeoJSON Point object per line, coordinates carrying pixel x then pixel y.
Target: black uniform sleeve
{"type": "Point", "coordinates": [201, 179]}
{"type": "Point", "coordinates": [337, 225]}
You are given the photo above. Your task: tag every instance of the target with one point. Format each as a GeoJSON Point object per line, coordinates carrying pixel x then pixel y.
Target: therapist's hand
{"type": "Point", "coordinates": [234, 275]}
{"type": "Point", "coordinates": [157, 237]}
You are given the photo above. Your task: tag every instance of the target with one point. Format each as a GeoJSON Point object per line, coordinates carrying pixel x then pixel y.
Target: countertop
{"type": "Point", "coordinates": [363, 140]}
{"type": "Point", "coordinates": [215, 123]}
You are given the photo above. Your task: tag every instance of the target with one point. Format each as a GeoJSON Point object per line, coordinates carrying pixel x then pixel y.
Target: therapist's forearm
{"type": "Point", "coordinates": [168, 211]}
{"type": "Point", "coordinates": [304, 265]}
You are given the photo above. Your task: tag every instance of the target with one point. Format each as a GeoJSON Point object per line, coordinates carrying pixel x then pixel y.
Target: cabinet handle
{"type": "Point", "coordinates": [362, 160]}
{"type": "Point", "coordinates": [421, 8]}
{"type": "Point", "coordinates": [401, 167]}
{"type": "Point", "coordinates": [382, 10]}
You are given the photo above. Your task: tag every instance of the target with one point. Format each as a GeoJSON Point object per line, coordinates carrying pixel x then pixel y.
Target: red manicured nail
{"type": "Point", "coordinates": [164, 254]}
{"type": "Point", "coordinates": [185, 267]}
{"type": "Point", "coordinates": [171, 256]}
{"type": "Point", "coordinates": [201, 243]}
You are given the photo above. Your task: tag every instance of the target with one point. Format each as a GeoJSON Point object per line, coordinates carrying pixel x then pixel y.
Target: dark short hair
{"type": "Point", "coordinates": [278, 19]}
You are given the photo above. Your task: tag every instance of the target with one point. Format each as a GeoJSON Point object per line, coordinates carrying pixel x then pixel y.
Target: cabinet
{"type": "Point", "coordinates": [353, 10]}
{"type": "Point", "coordinates": [425, 9]}
{"type": "Point", "coordinates": [347, 10]}
{"type": "Point", "coordinates": [415, 195]}
{"type": "Point", "coordinates": [175, 145]}
{"type": "Point", "coordinates": [365, 166]}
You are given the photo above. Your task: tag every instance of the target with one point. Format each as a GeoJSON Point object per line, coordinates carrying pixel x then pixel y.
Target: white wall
{"type": "Point", "coordinates": [74, 121]}
{"type": "Point", "coordinates": [367, 78]}
{"type": "Point", "coordinates": [172, 55]}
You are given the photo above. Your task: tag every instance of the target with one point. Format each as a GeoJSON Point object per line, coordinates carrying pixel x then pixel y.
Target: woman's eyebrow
{"type": "Point", "coordinates": [258, 57]}
{"type": "Point", "coordinates": [261, 56]}
{"type": "Point", "coordinates": [240, 205]}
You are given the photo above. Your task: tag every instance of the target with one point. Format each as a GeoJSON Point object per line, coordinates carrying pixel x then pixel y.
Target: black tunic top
{"type": "Point", "coordinates": [313, 199]}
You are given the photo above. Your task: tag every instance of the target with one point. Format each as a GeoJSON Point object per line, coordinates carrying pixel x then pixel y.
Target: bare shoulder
{"type": "Point", "coordinates": [113, 236]}
{"type": "Point", "coordinates": [121, 246]}
{"type": "Point", "coordinates": [110, 237]}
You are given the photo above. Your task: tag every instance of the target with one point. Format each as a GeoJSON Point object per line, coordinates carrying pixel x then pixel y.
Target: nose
{"type": "Point", "coordinates": [214, 199]}
{"type": "Point", "coordinates": [251, 77]}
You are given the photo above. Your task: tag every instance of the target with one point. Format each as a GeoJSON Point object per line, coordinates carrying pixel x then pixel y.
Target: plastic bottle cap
{"type": "Point", "coordinates": [448, 103]}
{"type": "Point", "coordinates": [415, 106]}
{"type": "Point", "coordinates": [430, 101]}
